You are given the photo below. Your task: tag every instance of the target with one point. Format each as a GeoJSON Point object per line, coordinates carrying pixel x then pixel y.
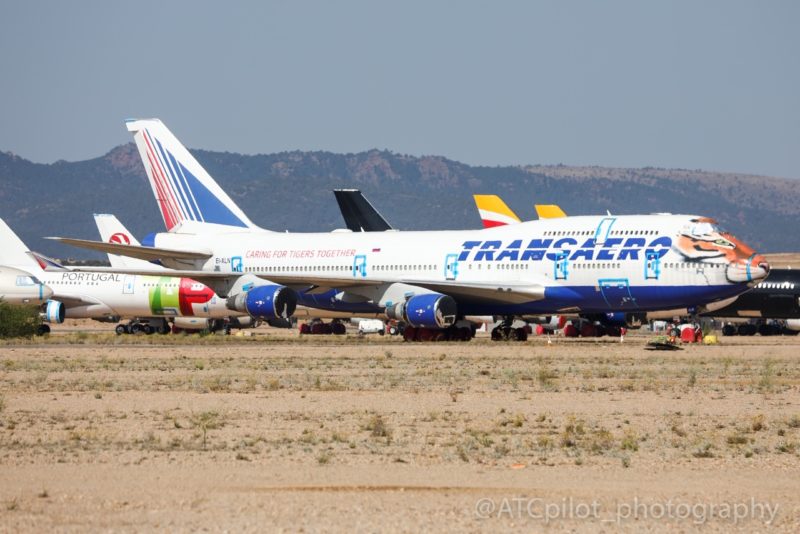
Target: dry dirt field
{"type": "Point", "coordinates": [274, 432]}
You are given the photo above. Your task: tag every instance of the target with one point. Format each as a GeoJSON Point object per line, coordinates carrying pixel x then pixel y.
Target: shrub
{"type": "Point", "coordinates": [18, 321]}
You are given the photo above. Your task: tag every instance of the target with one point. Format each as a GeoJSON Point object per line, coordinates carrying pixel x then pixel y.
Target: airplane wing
{"type": "Point", "coordinates": [502, 293]}
{"type": "Point", "coordinates": [142, 253]}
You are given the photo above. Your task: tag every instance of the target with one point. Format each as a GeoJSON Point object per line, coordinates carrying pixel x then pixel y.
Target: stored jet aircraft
{"type": "Point", "coordinates": [107, 296]}
{"type": "Point", "coordinates": [586, 264]}
{"type": "Point", "coordinates": [113, 231]}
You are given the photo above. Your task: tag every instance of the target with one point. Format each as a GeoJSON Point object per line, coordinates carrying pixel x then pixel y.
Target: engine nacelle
{"type": "Point", "coordinates": [243, 321]}
{"type": "Point", "coordinates": [793, 324]}
{"type": "Point", "coordinates": [54, 312]}
{"type": "Point", "coordinates": [432, 310]}
{"type": "Point", "coordinates": [265, 302]}
{"type": "Point", "coordinates": [192, 323]}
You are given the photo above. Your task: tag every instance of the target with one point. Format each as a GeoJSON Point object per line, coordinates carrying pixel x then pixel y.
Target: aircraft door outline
{"type": "Point", "coordinates": [617, 293]}
{"type": "Point", "coordinates": [360, 265]}
{"type": "Point", "coordinates": [561, 265]}
{"type": "Point", "coordinates": [128, 284]}
{"type": "Point", "coordinates": [603, 229]}
{"type": "Point", "coordinates": [652, 265]}
{"type": "Point", "coordinates": [451, 266]}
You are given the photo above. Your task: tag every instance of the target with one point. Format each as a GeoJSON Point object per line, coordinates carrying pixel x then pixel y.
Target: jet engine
{"type": "Point", "coordinates": [432, 310]}
{"type": "Point", "coordinates": [54, 312]}
{"type": "Point", "coordinates": [265, 302]}
{"type": "Point", "coordinates": [793, 324]}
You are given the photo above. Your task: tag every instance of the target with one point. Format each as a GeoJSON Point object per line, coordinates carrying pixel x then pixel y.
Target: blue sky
{"type": "Point", "coordinates": [711, 84]}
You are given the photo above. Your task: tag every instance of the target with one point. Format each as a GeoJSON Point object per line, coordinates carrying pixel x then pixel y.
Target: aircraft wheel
{"type": "Point", "coordinates": [728, 330]}
{"type": "Point", "coordinates": [520, 334]}
{"type": "Point", "coordinates": [497, 334]}
{"type": "Point", "coordinates": [147, 329]}
{"type": "Point", "coordinates": [135, 328]}
{"type": "Point", "coordinates": [410, 333]}
{"type": "Point", "coordinates": [120, 329]}
{"type": "Point", "coordinates": [43, 329]}
{"type": "Point", "coordinates": [338, 328]}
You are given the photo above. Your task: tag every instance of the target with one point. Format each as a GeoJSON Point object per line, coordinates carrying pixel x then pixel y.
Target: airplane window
{"type": "Point", "coordinates": [25, 281]}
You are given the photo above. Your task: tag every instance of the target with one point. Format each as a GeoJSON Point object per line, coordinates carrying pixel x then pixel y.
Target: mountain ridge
{"type": "Point", "coordinates": [412, 192]}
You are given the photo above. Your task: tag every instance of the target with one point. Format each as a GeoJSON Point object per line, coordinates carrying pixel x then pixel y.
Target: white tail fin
{"type": "Point", "coordinates": [13, 252]}
{"type": "Point", "coordinates": [182, 187]}
{"type": "Point", "coordinates": [113, 231]}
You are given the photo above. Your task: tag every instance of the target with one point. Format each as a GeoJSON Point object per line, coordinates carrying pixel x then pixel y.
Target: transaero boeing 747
{"type": "Point", "coordinates": [590, 265]}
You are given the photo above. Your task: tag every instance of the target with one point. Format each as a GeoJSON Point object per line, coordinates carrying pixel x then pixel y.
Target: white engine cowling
{"type": "Point", "coordinates": [54, 312]}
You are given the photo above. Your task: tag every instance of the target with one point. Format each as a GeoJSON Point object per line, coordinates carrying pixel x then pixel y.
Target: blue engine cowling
{"type": "Point", "coordinates": [265, 302]}
{"type": "Point", "coordinates": [54, 312]}
{"type": "Point", "coordinates": [432, 310]}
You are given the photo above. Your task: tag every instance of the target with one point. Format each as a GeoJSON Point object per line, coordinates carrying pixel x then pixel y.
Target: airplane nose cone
{"type": "Point", "coordinates": [752, 269]}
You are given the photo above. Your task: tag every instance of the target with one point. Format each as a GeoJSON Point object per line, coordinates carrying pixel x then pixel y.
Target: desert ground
{"type": "Point", "coordinates": [321, 433]}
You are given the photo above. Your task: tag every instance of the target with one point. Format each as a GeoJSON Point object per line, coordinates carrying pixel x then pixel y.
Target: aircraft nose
{"type": "Point", "coordinates": [751, 269]}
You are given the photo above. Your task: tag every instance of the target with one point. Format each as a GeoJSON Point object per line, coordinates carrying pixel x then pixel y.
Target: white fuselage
{"type": "Point", "coordinates": [594, 262]}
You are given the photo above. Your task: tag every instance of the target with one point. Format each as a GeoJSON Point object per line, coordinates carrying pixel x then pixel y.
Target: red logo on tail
{"type": "Point", "coordinates": [120, 239]}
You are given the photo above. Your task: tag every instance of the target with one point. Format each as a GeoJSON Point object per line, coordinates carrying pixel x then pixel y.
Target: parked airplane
{"type": "Point", "coordinates": [107, 296]}
{"type": "Point", "coordinates": [113, 231]}
{"type": "Point", "coordinates": [430, 279]}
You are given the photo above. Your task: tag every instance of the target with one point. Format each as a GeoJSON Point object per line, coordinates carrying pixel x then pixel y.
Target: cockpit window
{"type": "Point", "coordinates": [27, 280]}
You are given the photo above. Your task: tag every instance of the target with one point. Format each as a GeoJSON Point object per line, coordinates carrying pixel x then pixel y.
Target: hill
{"type": "Point", "coordinates": [291, 191]}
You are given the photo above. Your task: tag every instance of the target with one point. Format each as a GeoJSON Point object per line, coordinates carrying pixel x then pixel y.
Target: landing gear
{"type": "Point", "coordinates": [146, 327]}
{"type": "Point", "coordinates": [317, 327]}
{"type": "Point", "coordinates": [507, 332]}
{"type": "Point", "coordinates": [454, 333]}
{"type": "Point", "coordinates": [43, 329]}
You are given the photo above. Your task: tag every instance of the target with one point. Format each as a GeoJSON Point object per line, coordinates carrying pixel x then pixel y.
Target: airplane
{"type": "Point", "coordinates": [113, 231]}
{"type": "Point", "coordinates": [592, 265]}
{"type": "Point", "coordinates": [776, 298]}
{"type": "Point", "coordinates": [106, 296]}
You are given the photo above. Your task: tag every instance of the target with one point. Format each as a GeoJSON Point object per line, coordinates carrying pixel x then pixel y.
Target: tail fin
{"type": "Point", "coordinates": [549, 211]}
{"type": "Point", "coordinates": [13, 252]}
{"type": "Point", "coordinates": [182, 187]}
{"type": "Point", "coordinates": [113, 231]}
{"type": "Point", "coordinates": [493, 211]}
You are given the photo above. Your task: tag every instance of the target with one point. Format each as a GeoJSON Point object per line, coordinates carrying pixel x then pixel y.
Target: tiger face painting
{"type": "Point", "coordinates": [704, 242]}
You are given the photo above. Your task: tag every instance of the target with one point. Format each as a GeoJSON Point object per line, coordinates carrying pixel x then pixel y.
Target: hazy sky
{"type": "Point", "coordinates": [695, 84]}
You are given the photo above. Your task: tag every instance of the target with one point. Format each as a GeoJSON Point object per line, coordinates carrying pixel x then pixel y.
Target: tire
{"type": "Point", "coordinates": [147, 329]}
{"type": "Point", "coordinates": [43, 330]}
{"type": "Point", "coordinates": [520, 334]}
{"type": "Point", "coordinates": [121, 329]}
{"type": "Point", "coordinates": [135, 328]}
{"type": "Point", "coordinates": [729, 330]}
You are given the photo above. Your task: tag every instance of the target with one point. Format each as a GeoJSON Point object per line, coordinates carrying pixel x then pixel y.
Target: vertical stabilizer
{"type": "Point", "coordinates": [182, 187]}
{"type": "Point", "coordinates": [13, 252]}
{"type": "Point", "coordinates": [113, 231]}
{"type": "Point", "coordinates": [494, 212]}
